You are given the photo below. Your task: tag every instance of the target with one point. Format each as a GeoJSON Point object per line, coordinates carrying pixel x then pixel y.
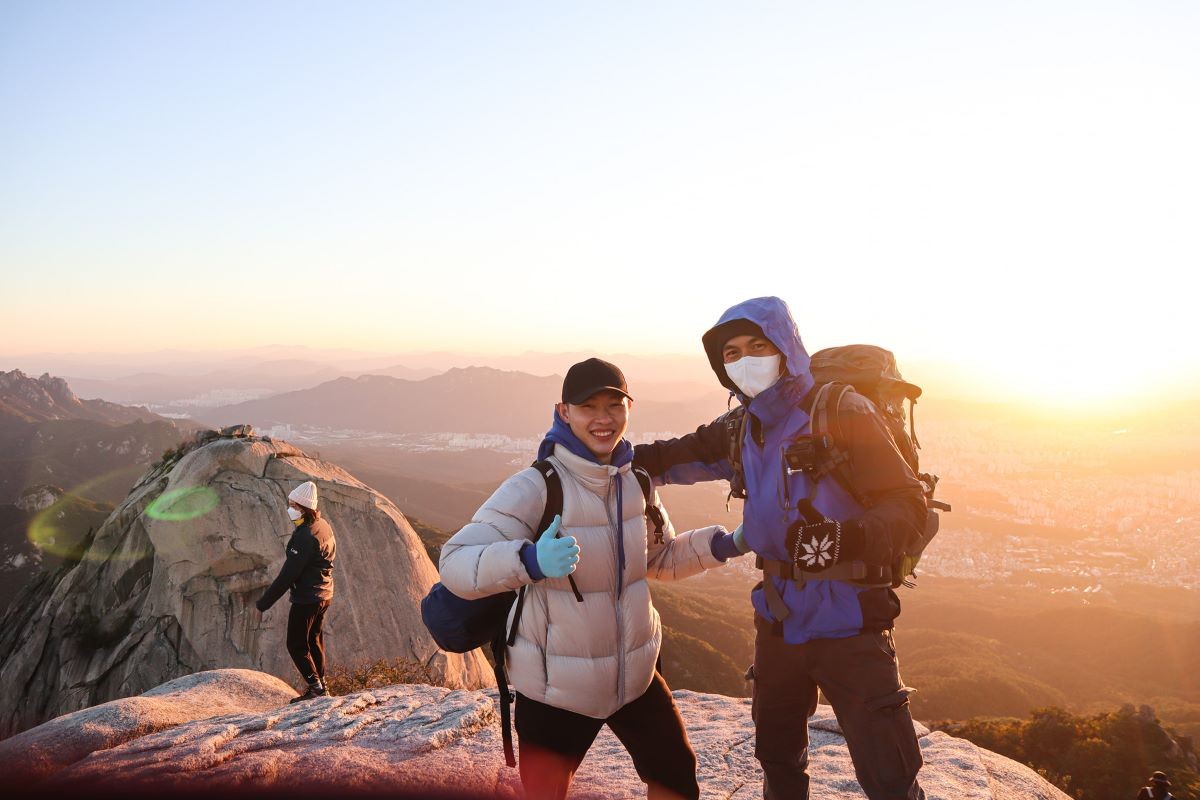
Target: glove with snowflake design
{"type": "Point", "coordinates": [818, 546]}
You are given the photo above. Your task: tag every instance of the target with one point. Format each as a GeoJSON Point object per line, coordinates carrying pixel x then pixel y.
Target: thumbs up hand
{"type": "Point", "coordinates": [556, 557]}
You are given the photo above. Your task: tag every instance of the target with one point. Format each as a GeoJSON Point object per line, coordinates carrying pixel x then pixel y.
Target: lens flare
{"type": "Point", "coordinates": [180, 505]}
{"type": "Point", "coordinates": [62, 528]}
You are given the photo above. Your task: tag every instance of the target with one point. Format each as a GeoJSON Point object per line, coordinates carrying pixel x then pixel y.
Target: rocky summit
{"type": "Point", "coordinates": [50, 398]}
{"type": "Point", "coordinates": [167, 585]}
{"type": "Point", "coordinates": [420, 741]}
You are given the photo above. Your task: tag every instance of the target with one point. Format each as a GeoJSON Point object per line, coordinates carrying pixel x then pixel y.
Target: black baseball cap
{"type": "Point", "coordinates": [588, 377]}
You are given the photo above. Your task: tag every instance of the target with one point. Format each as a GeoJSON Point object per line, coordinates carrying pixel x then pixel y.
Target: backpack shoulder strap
{"type": "Point", "coordinates": [653, 512]}
{"type": "Point", "coordinates": [506, 697]}
{"type": "Point", "coordinates": [554, 494]}
{"type": "Point", "coordinates": [554, 507]}
{"type": "Point", "coordinates": [735, 431]}
{"type": "Point", "coordinates": [827, 428]}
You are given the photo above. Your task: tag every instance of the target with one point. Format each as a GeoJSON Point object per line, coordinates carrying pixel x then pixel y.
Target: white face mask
{"type": "Point", "coordinates": [754, 374]}
{"type": "Point", "coordinates": [294, 515]}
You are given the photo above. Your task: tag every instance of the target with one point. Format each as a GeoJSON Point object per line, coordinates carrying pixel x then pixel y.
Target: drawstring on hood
{"type": "Point", "coordinates": [620, 535]}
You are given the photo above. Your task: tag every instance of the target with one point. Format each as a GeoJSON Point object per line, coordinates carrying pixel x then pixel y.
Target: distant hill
{"type": "Point", "coordinates": [91, 448]}
{"type": "Point", "coordinates": [472, 400]}
{"type": "Point", "coordinates": [442, 488]}
{"type": "Point", "coordinates": [26, 399]}
{"type": "Point", "coordinates": [183, 393]}
{"type": "Point", "coordinates": [466, 400]}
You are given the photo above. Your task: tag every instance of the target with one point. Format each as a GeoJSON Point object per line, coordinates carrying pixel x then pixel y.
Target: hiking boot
{"type": "Point", "coordinates": [310, 693]}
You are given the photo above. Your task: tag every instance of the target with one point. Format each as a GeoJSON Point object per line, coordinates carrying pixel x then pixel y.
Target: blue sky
{"type": "Point", "coordinates": [962, 182]}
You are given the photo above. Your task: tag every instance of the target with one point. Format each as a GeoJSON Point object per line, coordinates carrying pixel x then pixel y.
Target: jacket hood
{"type": "Point", "coordinates": [775, 319]}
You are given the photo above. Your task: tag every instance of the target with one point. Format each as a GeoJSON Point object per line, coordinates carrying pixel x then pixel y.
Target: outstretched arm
{"type": "Point", "coordinates": [696, 457]}
{"type": "Point", "coordinates": [684, 554]}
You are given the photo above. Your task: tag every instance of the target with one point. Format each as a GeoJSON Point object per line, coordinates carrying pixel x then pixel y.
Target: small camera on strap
{"type": "Point", "coordinates": [805, 454]}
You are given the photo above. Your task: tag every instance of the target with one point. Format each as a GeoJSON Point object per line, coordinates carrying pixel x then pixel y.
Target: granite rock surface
{"type": "Point", "coordinates": [413, 740]}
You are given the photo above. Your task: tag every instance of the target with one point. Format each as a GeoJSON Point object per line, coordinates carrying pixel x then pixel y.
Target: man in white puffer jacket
{"type": "Point", "coordinates": [577, 666]}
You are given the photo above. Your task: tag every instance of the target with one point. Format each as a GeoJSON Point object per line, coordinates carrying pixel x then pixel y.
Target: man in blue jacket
{"type": "Point", "coordinates": [825, 610]}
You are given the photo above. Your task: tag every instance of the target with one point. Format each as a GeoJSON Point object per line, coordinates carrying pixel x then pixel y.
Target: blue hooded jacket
{"type": "Point", "coordinates": [819, 609]}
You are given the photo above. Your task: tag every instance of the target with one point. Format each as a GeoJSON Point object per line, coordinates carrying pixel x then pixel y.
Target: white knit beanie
{"type": "Point", "coordinates": [305, 494]}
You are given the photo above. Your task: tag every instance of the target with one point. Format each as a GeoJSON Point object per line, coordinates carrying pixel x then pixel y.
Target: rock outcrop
{"type": "Point", "coordinates": [50, 398]}
{"type": "Point", "coordinates": [166, 587]}
{"type": "Point", "coordinates": [421, 741]}
{"type": "Point", "coordinates": [38, 498]}
{"type": "Point", "coordinates": [36, 754]}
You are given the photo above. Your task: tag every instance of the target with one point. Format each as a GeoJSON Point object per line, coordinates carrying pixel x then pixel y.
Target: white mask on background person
{"type": "Point", "coordinates": [294, 515]}
{"type": "Point", "coordinates": [754, 374]}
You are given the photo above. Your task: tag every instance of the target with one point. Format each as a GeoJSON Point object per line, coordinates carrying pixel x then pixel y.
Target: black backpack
{"type": "Point", "coordinates": [459, 626]}
{"type": "Point", "coordinates": [871, 372]}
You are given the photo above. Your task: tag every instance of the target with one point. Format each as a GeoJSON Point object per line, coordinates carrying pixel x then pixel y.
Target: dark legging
{"type": "Point", "coordinates": [305, 643]}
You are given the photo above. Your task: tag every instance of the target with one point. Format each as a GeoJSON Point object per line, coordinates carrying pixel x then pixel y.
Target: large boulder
{"type": "Point", "coordinates": [425, 741]}
{"type": "Point", "coordinates": [168, 584]}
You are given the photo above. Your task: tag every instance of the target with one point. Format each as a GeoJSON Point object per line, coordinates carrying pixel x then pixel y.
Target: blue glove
{"type": "Point", "coordinates": [556, 557]}
{"type": "Point", "coordinates": [739, 539]}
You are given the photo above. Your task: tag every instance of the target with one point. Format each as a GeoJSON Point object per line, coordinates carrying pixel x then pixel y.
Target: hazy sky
{"type": "Point", "coordinates": [1010, 187]}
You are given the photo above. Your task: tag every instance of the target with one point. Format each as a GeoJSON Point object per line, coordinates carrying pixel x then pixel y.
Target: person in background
{"type": "Point", "coordinates": [581, 663]}
{"type": "Point", "coordinates": [308, 573]}
{"type": "Point", "coordinates": [1157, 788]}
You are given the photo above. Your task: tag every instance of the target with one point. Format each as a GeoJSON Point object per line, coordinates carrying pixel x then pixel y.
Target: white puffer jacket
{"type": "Point", "coordinates": [591, 657]}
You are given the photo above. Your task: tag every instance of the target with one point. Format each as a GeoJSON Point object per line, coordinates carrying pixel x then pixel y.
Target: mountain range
{"type": "Point", "coordinates": [461, 400]}
{"type": "Point", "coordinates": [33, 400]}
{"type": "Point", "coordinates": [111, 366]}
{"type": "Point", "coordinates": [174, 393]}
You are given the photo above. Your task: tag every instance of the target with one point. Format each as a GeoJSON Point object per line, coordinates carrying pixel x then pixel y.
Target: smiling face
{"type": "Point", "coordinates": [746, 345]}
{"type": "Point", "coordinates": [599, 422]}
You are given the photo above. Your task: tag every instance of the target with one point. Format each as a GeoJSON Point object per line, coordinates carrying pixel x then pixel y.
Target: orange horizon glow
{"type": "Point", "coordinates": [1076, 390]}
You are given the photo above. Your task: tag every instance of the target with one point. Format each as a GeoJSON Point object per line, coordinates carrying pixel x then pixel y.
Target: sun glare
{"type": "Point", "coordinates": [1077, 385]}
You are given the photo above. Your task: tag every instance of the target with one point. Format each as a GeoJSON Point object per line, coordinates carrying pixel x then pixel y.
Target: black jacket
{"type": "Point", "coordinates": [308, 569]}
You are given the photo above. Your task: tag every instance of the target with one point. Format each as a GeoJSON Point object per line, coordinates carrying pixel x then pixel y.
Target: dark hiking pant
{"type": "Point", "coordinates": [860, 678]}
{"type": "Point", "coordinates": [553, 742]}
{"type": "Point", "coordinates": [305, 643]}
